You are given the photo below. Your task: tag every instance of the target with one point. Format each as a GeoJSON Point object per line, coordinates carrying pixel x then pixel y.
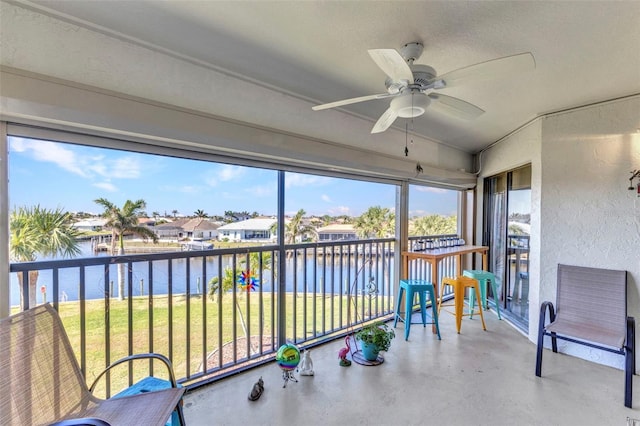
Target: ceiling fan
{"type": "Point", "coordinates": [412, 87]}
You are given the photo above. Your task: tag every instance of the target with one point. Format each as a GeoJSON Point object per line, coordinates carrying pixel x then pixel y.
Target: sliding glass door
{"type": "Point", "coordinates": [507, 215]}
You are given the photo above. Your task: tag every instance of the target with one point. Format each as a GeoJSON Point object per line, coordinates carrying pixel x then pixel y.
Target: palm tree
{"type": "Point", "coordinates": [123, 221]}
{"type": "Point", "coordinates": [36, 230]}
{"type": "Point", "coordinates": [296, 228]}
{"type": "Point", "coordinates": [344, 219]}
{"type": "Point", "coordinates": [433, 224]}
{"type": "Point", "coordinates": [200, 213]}
{"type": "Point", "coordinates": [376, 222]}
{"type": "Point", "coordinates": [175, 213]}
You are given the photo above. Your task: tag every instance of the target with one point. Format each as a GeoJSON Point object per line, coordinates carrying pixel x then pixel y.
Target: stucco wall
{"type": "Point", "coordinates": [589, 218]}
{"type": "Point", "coordinates": [522, 147]}
{"type": "Point", "coordinates": [581, 210]}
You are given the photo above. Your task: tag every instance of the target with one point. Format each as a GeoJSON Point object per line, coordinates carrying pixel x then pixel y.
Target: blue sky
{"type": "Point", "coordinates": [72, 176]}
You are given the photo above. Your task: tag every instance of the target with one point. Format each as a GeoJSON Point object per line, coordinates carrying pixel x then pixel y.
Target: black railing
{"type": "Point", "coordinates": [197, 308]}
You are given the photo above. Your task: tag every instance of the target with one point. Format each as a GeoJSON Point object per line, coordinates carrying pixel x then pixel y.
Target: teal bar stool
{"type": "Point", "coordinates": [420, 287]}
{"type": "Point", "coordinates": [483, 277]}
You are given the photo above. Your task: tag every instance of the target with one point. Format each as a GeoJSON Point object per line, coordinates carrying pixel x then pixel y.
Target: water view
{"type": "Point", "coordinates": [311, 274]}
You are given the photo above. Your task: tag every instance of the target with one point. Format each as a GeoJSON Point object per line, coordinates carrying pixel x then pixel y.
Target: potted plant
{"type": "Point", "coordinates": [374, 337]}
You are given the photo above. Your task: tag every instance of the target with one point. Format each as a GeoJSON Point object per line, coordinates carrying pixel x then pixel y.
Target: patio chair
{"type": "Point", "coordinates": [591, 310]}
{"type": "Point", "coordinates": [42, 383]}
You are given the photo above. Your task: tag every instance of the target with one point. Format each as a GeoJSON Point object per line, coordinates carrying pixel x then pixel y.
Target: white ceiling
{"type": "Point", "coordinates": [585, 52]}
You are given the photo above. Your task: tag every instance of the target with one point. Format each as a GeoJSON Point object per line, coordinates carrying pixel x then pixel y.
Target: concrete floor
{"type": "Point", "coordinates": [474, 378]}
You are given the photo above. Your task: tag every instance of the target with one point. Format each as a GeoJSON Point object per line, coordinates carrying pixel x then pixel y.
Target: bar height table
{"type": "Point", "coordinates": [434, 256]}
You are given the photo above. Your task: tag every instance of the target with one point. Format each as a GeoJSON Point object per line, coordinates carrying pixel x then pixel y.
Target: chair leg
{"type": "Point", "coordinates": [540, 340]}
{"type": "Point", "coordinates": [434, 312]}
{"type": "Point", "coordinates": [629, 362]}
{"type": "Point", "coordinates": [472, 304]}
{"type": "Point", "coordinates": [494, 289]}
{"type": "Point", "coordinates": [483, 293]}
{"type": "Point", "coordinates": [539, 352]}
{"type": "Point", "coordinates": [477, 289]}
{"type": "Point", "coordinates": [458, 296]}
{"type": "Point", "coordinates": [408, 305]}
{"type": "Point", "coordinates": [423, 307]}
{"type": "Point", "coordinates": [181, 414]}
{"type": "Point", "coordinates": [554, 343]}
{"type": "Point", "coordinates": [398, 303]}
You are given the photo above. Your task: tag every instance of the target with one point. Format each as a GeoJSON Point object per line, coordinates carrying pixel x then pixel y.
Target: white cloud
{"type": "Point", "coordinates": [125, 168]}
{"type": "Point", "coordinates": [229, 172]}
{"type": "Point", "coordinates": [224, 174]}
{"type": "Point", "coordinates": [106, 186]}
{"type": "Point", "coordinates": [295, 179]}
{"type": "Point", "coordinates": [261, 190]}
{"type": "Point", "coordinates": [86, 166]}
{"type": "Point", "coordinates": [50, 152]}
{"type": "Point", "coordinates": [325, 198]}
{"type": "Point", "coordinates": [340, 210]}
{"type": "Point", "coordinates": [430, 189]}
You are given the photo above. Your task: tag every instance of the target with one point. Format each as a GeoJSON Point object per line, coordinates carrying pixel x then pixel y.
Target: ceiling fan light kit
{"type": "Point", "coordinates": [410, 105]}
{"type": "Point", "coordinates": [412, 87]}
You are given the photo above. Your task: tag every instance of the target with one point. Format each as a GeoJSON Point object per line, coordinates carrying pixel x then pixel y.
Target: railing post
{"type": "Point", "coordinates": [282, 265]}
{"type": "Point", "coordinates": [5, 300]}
{"type": "Point", "coordinates": [402, 236]}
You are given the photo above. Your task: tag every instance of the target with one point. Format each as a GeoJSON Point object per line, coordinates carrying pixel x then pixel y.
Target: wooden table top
{"type": "Point", "coordinates": [440, 253]}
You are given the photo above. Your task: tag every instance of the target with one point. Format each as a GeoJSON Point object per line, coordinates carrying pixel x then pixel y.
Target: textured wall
{"type": "Point", "coordinates": [589, 218]}
{"type": "Point", "coordinates": [523, 147]}
{"type": "Point", "coordinates": [582, 212]}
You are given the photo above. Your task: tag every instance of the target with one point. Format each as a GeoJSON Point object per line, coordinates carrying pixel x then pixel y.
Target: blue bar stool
{"type": "Point", "coordinates": [483, 277]}
{"type": "Point", "coordinates": [412, 287]}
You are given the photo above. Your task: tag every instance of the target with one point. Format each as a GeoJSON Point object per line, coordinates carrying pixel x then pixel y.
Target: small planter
{"type": "Point", "coordinates": [374, 338]}
{"type": "Point", "coordinates": [369, 351]}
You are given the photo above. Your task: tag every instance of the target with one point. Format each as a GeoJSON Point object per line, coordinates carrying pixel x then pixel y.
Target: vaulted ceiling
{"type": "Point", "coordinates": [316, 52]}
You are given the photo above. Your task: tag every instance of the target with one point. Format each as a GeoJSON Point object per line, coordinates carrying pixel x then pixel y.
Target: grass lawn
{"type": "Point", "coordinates": [211, 325]}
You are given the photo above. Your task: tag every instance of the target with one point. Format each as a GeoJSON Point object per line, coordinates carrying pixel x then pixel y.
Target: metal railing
{"type": "Point", "coordinates": [195, 307]}
{"type": "Point", "coordinates": [215, 312]}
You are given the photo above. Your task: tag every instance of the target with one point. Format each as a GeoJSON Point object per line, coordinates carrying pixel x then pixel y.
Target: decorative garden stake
{"type": "Point", "coordinates": [247, 281]}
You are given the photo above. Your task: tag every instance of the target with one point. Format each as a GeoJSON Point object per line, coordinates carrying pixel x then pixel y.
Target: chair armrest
{"type": "Point", "coordinates": [543, 311]}
{"type": "Point", "coordinates": [86, 421]}
{"type": "Point", "coordinates": [162, 358]}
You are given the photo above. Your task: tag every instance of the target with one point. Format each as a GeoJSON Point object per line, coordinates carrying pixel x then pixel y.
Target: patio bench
{"type": "Point", "coordinates": [591, 310]}
{"type": "Point", "coordinates": [42, 383]}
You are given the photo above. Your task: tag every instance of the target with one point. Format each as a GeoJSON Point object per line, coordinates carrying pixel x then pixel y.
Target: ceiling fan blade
{"type": "Point", "coordinates": [392, 63]}
{"type": "Point", "coordinates": [385, 121]}
{"type": "Point", "coordinates": [490, 69]}
{"type": "Point", "coordinates": [454, 106]}
{"type": "Point", "coordinates": [351, 101]}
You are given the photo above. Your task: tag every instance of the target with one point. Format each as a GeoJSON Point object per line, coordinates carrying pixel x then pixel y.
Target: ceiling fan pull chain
{"type": "Point", "coordinates": [406, 132]}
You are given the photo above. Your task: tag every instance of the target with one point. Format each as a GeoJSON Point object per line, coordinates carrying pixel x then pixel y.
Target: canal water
{"type": "Point", "coordinates": [322, 276]}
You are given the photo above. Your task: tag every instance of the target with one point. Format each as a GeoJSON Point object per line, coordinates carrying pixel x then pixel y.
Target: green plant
{"type": "Point", "coordinates": [378, 334]}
